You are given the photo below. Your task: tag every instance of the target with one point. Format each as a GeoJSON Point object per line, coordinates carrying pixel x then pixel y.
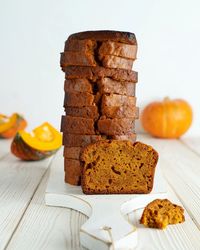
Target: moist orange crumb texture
{"type": "Point", "coordinates": [118, 167]}
{"type": "Point", "coordinates": [160, 213]}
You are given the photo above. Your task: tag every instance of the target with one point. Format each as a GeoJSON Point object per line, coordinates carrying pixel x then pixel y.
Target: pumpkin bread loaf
{"type": "Point", "coordinates": [160, 213]}
{"type": "Point", "coordinates": [117, 167]}
{"type": "Point", "coordinates": [100, 102]}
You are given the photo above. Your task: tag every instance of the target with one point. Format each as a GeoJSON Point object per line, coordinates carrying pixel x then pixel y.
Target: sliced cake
{"type": "Point", "coordinates": [118, 167]}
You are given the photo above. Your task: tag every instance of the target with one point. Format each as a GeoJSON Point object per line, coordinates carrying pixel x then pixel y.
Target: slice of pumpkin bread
{"type": "Point", "coordinates": [160, 213]}
{"type": "Point", "coordinates": [118, 167]}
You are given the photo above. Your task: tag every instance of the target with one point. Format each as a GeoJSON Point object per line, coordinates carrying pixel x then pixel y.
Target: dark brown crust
{"type": "Point", "coordinates": [77, 99]}
{"type": "Point", "coordinates": [72, 152]}
{"type": "Point", "coordinates": [73, 171]}
{"type": "Point", "coordinates": [83, 158]}
{"type": "Point", "coordinates": [115, 126]}
{"type": "Point", "coordinates": [77, 125]}
{"type": "Point", "coordinates": [104, 35]}
{"type": "Point", "coordinates": [86, 112]}
{"type": "Point", "coordinates": [79, 85]}
{"type": "Point", "coordinates": [74, 140]}
{"type": "Point", "coordinates": [95, 73]}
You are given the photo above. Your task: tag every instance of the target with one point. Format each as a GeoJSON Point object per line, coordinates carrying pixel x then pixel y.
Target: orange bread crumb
{"type": "Point", "coordinates": [160, 213]}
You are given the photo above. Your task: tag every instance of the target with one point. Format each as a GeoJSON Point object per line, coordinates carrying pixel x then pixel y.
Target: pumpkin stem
{"type": "Point", "coordinates": [166, 99]}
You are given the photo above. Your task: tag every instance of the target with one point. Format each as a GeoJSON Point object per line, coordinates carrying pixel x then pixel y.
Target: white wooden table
{"type": "Point", "coordinates": [26, 223]}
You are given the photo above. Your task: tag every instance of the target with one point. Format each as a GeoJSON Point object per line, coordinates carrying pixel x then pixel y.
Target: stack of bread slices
{"type": "Point", "coordinates": [99, 87]}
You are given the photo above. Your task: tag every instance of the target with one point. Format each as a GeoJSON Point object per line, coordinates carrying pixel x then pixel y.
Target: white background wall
{"type": "Point", "coordinates": [32, 34]}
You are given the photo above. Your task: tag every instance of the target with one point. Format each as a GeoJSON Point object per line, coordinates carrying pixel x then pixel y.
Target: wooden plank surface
{"type": "Point", "coordinates": [4, 147]}
{"type": "Point", "coordinates": [193, 143]}
{"type": "Point", "coordinates": [59, 227]}
{"type": "Point", "coordinates": [18, 182]}
{"type": "Point", "coordinates": [47, 227]}
{"type": "Point", "coordinates": [35, 226]}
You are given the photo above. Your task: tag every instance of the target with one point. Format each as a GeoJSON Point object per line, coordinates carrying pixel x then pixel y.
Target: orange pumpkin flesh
{"type": "Point", "coordinates": [41, 143]}
{"type": "Point", "coordinates": [10, 125]}
{"type": "Point", "coordinates": [167, 119]}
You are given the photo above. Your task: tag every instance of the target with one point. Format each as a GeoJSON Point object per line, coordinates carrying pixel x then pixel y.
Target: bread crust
{"type": "Point", "coordinates": [90, 112]}
{"type": "Point", "coordinates": [76, 58]}
{"type": "Point", "coordinates": [77, 125]}
{"type": "Point", "coordinates": [79, 140]}
{"type": "Point", "coordinates": [78, 85]}
{"type": "Point", "coordinates": [72, 152]}
{"type": "Point", "coordinates": [104, 35]}
{"type": "Point", "coordinates": [96, 73]}
{"type": "Point", "coordinates": [77, 99]}
{"type": "Point", "coordinates": [73, 171]}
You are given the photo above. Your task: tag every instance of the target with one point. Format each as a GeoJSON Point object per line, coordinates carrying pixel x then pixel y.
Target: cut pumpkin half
{"type": "Point", "coordinates": [41, 143]}
{"type": "Point", "coordinates": [9, 125]}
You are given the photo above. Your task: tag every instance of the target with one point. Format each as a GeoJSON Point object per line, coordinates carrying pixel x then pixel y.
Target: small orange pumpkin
{"type": "Point", "coordinates": [167, 119]}
{"type": "Point", "coordinates": [9, 125]}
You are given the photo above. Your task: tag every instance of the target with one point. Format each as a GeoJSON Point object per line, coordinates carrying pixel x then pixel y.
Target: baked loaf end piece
{"type": "Point", "coordinates": [118, 167]}
{"type": "Point", "coordinates": [159, 213]}
{"type": "Point", "coordinates": [105, 35]}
